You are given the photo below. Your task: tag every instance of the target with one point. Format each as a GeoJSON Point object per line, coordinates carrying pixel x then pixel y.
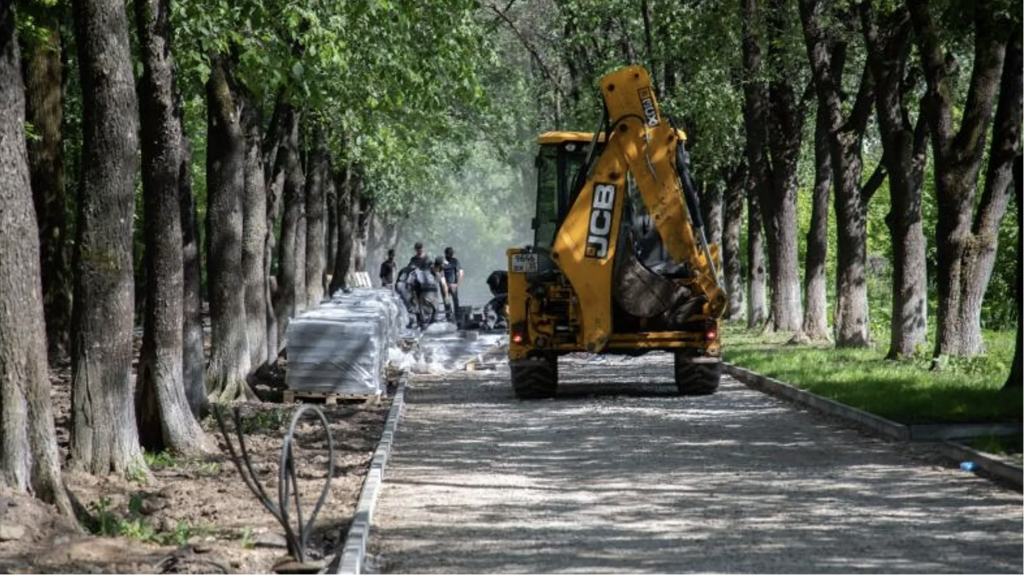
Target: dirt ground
{"type": "Point", "coordinates": [197, 516]}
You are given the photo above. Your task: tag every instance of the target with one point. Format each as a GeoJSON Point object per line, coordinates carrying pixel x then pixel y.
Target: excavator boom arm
{"type": "Point", "coordinates": [642, 143]}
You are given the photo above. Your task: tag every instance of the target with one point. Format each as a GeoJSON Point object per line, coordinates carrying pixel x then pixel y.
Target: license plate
{"type": "Point", "coordinates": [524, 263]}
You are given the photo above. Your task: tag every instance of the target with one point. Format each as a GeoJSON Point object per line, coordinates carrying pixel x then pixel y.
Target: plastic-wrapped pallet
{"type": "Point", "coordinates": [338, 348]}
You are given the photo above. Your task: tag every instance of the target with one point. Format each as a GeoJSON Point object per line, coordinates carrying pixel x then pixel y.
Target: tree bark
{"type": "Point", "coordinates": [732, 260]}
{"type": "Point", "coordinates": [755, 262]}
{"type": "Point", "coordinates": [958, 156]}
{"type": "Point", "coordinates": [44, 100]}
{"type": "Point", "coordinates": [193, 353]}
{"type": "Point", "coordinates": [904, 158]}
{"type": "Point", "coordinates": [29, 460]}
{"type": "Point", "coordinates": [319, 174]}
{"type": "Point", "coordinates": [980, 254]}
{"type": "Point", "coordinates": [254, 235]}
{"type": "Point", "coordinates": [846, 134]}
{"type": "Point", "coordinates": [786, 112]}
{"type": "Point", "coordinates": [774, 124]}
{"type": "Point", "coordinates": [288, 276]}
{"type": "Point", "coordinates": [712, 199]}
{"type": "Point", "coordinates": [759, 176]}
{"type": "Point", "coordinates": [343, 259]}
{"type": "Point", "coordinates": [363, 213]}
{"type": "Point", "coordinates": [331, 194]}
{"type": "Point", "coordinates": [103, 314]}
{"type": "Point", "coordinates": [815, 326]}
{"type": "Point", "coordinates": [164, 416]}
{"type": "Point", "coordinates": [225, 174]}
{"type": "Point", "coordinates": [1016, 378]}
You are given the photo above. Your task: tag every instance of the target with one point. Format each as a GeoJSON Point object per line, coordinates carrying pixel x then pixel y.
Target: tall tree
{"type": "Point", "coordinates": [1016, 378]}
{"type": "Point", "coordinates": [103, 314]}
{"type": "Point", "coordinates": [965, 251]}
{"type": "Point", "coordinates": [290, 167]}
{"type": "Point", "coordinates": [755, 113]}
{"type": "Point", "coordinates": [755, 261]}
{"type": "Point", "coordinates": [29, 462]}
{"type": "Point", "coordinates": [193, 352]}
{"type": "Point", "coordinates": [904, 156]}
{"type": "Point", "coordinates": [343, 259]}
{"type": "Point", "coordinates": [225, 168]}
{"type": "Point", "coordinates": [165, 418]}
{"type": "Point", "coordinates": [44, 110]}
{"type": "Point", "coordinates": [732, 260]}
{"type": "Point", "coordinates": [815, 325]}
{"type": "Point", "coordinates": [826, 49]}
{"type": "Point", "coordinates": [319, 174]}
{"type": "Point", "coordinates": [773, 117]}
{"type": "Point", "coordinates": [254, 235]}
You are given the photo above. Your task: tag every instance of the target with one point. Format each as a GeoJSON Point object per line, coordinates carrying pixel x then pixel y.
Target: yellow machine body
{"type": "Point", "coordinates": [562, 295]}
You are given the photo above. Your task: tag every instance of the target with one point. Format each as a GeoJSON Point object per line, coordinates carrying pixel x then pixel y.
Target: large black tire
{"type": "Point", "coordinates": [535, 378]}
{"type": "Point", "coordinates": [697, 375]}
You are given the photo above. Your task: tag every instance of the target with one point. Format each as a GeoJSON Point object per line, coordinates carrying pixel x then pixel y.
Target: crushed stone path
{"type": "Point", "coordinates": [619, 474]}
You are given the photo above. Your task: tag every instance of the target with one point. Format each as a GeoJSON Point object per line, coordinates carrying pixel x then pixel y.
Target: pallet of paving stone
{"type": "Point", "coordinates": [328, 398]}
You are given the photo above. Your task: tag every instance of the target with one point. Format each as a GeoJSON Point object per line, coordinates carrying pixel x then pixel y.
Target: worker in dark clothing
{"type": "Point", "coordinates": [419, 260]}
{"type": "Point", "coordinates": [428, 286]}
{"type": "Point", "coordinates": [404, 286]}
{"type": "Point", "coordinates": [453, 276]}
{"type": "Point", "coordinates": [389, 270]}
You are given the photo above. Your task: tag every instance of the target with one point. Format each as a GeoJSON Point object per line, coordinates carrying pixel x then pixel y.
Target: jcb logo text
{"type": "Point", "coordinates": [601, 211]}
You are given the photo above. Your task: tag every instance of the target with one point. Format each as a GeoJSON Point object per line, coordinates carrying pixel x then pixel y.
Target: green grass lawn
{"type": "Point", "coordinates": [964, 390]}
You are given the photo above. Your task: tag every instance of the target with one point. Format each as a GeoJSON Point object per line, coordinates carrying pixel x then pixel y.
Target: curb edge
{"type": "Point", "coordinates": [354, 552]}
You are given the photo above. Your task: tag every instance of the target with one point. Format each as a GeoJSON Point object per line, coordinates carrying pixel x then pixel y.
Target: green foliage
{"type": "Point", "coordinates": [161, 459]}
{"type": "Point", "coordinates": [107, 523]}
{"type": "Point", "coordinates": [903, 391]}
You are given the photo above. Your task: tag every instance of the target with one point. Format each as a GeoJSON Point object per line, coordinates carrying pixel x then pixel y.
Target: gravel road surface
{"type": "Point", "coordinates": [619, 474]}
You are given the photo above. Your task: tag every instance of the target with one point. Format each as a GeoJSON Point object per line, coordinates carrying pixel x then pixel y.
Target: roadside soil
{"type": "Point", "coordinates": [197, 516]}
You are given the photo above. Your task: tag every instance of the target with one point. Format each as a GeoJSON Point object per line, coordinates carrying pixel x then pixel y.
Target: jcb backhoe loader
{"type": "Point", "coordinates": [619, 263]}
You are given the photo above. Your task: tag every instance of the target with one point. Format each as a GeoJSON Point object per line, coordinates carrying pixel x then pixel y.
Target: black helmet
{"type": "Point", "coordinates": [439, 261]}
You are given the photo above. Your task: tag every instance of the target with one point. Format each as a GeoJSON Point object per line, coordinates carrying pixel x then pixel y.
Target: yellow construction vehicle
{"type": "Point", "coordinates": [619, 263]}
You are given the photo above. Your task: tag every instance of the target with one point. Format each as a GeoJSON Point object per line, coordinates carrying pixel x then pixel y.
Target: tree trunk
{"type": "Point", "coordinates": [846, 135]}
{"type": "Point", "coordinates": [343, 259]}
{"type": "Point", "coordinates": [758, 178]}
{"type": "Point", "coordinates": [755, 262]}
{"type": "Point", "coordinates": [815, 327]}
{"type": "Point", "coordinates": [980, 253]}
{"type": "Point", "coordinates": [904, 158]}
{"type": "Point", "coordinates": [288, 275]}
{"type": "Point", "coordinates": [29, 461]}
{"type": "Point", "coordinates": [732, 260]}
{"type": "Point", "coordinates": [711, 204]}
{"type": "Point", "coordinates": [254, 236]}
{"type": "Point", "coordinates": [363, 212]}
{"type": "Point", "coordinates": [44, 110]}
{"type": "Point", "coordinates": [164, 417]}
{"type": "Point", "coordinates": [958, 157]}
{"type": "Point", "coordinates": [785, 131]}
{"type": "Point", "coordinates": [103, 435]}
{"type": "Point", "coordinates": [1016, 378]}
{"type": "Point", "coordinates": [331, 194]}
{"type": "Point", "coordinates": [851, 312]}
{"type": "Point", "coordinates": [225, 175]}
{"type": "Point", "coordinates": [319, 174]}
{"type": "Point", "coordinates": [193, 353]}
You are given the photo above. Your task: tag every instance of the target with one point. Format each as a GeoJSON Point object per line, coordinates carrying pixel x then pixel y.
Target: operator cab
{"type": "Point", "coordinates": [561, 157]}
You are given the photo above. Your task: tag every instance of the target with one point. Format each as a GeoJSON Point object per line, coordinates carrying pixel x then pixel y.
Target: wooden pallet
{"type": "Point", "coordinates": [327, 397]}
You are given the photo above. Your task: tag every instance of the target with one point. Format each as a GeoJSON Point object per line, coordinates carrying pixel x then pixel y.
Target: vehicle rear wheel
{"type": "Point", "coordinates": [697, 375]}
{"type": "Point", "coordinates": [535, 378]}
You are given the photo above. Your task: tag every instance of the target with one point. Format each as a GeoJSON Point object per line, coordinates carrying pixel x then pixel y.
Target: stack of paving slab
{"type": "Point", "coordinates": [342, 347]}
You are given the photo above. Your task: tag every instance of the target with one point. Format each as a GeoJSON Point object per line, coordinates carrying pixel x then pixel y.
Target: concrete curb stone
{"type": "Point", "coordinates": [993, 466]}
{"type": "Point", "coordinates": [353, 555]}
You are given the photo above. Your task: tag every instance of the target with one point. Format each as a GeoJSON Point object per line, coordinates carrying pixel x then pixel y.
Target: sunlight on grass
{"type": "Point", "coordinates": [965, 390]}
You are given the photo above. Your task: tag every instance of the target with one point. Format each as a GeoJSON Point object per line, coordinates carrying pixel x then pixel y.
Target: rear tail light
{"type": "Point", "coordinates": [711, 334]}
{"type": "Point", "coordinates": [517, 337]}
